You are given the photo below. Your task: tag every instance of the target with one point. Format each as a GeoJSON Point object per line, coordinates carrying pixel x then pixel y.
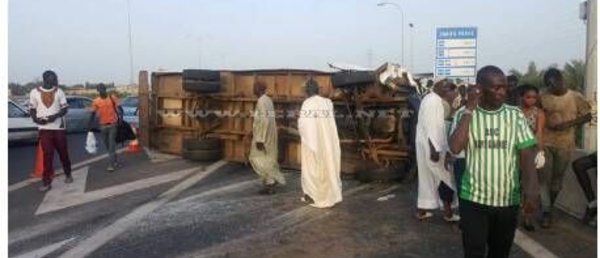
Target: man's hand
{"type": "Point", "coordinates": [434, 155]}
{"type": "Point", "coordinates": [448, 161]}
{"type": "Point", "coordinates": [530, 204]}
{"type": "Point", "coordinates": [52, 118]}
{"type": "Point", "coordinates": [261, 146]}
{"type": "Point", "coordinates": [540, 160]}
{"type": "Point", "coordinates": [40, 121]}
{"type": "Point", "coordinates": [473, 96]}
{"type": "Point", "coordinates": [561, 127]}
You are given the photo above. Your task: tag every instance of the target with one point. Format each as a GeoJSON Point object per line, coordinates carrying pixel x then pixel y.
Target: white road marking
{"type": "Point", "coordinates": [59, 172]}
{"type": "Point", "coordinates": [532, 247]}
{"type": "Point", "coordinates": [45, 250]}
{"type": "Point", "coordinates": [104, 235]}
{"type": "Point", "coordinates": [67, 195]}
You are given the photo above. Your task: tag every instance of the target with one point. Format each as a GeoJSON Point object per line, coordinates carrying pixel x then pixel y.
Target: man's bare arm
{"type": "Point", "coordinates": [529, 176]}
{"type": "Point", "coordinates": [460, 136]}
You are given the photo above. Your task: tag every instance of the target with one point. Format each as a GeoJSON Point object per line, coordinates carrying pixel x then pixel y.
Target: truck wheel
{"type": "Point", "coordinates": [202, 144]}
{"type": "Point", "coordinates": [202, 86]}
{"type": "Point", "coordinates": [202, 155]}
{"type": "Point", "coordinates": [201, 75]}
{"type": "Point", "coordinates": [348, 79]}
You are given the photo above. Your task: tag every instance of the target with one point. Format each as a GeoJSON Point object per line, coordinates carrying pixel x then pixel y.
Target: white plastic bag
{"type": "Point", "coordinates": [90, 144]}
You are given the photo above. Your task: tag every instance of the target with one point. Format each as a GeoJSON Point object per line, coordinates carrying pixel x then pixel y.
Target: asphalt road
{"type": "Point", "coordinates": [21, 156]}
{"type": "Point", "coordinates": [152, 207]}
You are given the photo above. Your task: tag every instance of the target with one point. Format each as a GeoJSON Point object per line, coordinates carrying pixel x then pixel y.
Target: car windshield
{"type": "Point", "coordinates": [130, 102]}
{"type": "Point", "coordinates": [14, 111]}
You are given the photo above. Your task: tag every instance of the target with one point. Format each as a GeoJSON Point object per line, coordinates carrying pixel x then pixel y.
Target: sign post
{"type": "Point", "coordinates": [456, 53]}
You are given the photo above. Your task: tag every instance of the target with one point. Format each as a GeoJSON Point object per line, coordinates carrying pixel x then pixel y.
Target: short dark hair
{"type": "Point", "coordinates": [552, 73]}
{"type": "Point", "coordinates": [483, 75]}
{"type": "Point", "coordinates": [527, 88]}
{"type": "Point", "coordinates": [445, 82]}
{"type": "Point", "coordinates": [48, 74]}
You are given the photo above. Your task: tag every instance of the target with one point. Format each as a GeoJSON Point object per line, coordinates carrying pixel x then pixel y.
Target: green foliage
{"type": "Point", "coordinates": [573, 75]}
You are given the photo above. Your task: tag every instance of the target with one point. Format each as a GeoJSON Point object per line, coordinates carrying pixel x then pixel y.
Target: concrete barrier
{"type": "Point", "coordinates": [571, 199]}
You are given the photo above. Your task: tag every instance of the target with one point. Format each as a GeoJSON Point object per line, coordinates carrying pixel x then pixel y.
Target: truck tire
{"type": "Point", "coordinates": [349, 79]}
{"type": "Point", "coordinates": [201, 75]}
{"type": "Point", "coordinates": [202, 155]}
{"type": "Point", "coordinates": [202, 144]}
{"type": "Point", "coordinates": [202, 86]}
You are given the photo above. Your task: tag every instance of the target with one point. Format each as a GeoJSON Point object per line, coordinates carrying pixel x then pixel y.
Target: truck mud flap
{"type": "Point", "coordinates": [202, 155]}
{"type": "Point", "coordinates": [349, 79]}
{"type": "Point", "coordinates": [202, 86]}
{"type": "Point", "coordinates": [202, 144]}
{"type": "Point", "coordinates": [201, 75]}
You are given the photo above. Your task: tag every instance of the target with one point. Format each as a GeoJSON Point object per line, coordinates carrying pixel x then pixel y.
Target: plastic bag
{"type": "Point", "coordinates": [90, 144]}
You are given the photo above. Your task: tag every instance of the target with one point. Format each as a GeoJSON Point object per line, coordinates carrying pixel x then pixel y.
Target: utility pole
{"type": "Point", "coordinates": [411, 26]}
{"type": "Point", "coordinates": [590, 16]}
{"type": "Point", "coordinates": [131, 81]}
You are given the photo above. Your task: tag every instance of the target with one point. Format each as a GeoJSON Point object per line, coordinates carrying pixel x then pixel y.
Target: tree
{"type": "Point", "coordinates": [574, 75]}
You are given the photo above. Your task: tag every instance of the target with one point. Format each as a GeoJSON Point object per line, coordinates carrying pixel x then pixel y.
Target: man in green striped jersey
{"type": "Point", "coordinates": [498, 145]}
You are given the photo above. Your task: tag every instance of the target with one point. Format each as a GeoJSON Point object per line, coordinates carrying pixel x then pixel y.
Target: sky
{"type": "Point", "coordinates": [88, 41]}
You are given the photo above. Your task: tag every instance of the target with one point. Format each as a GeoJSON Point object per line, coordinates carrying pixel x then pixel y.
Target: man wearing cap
{"type": "Point", "coordinates": [436, 185]}
{"type": "Point", "coordinates": [321, 154]}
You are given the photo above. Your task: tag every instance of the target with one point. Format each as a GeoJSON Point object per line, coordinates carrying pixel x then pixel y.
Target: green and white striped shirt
{"type": "Point", "coordinates": [491, 176]}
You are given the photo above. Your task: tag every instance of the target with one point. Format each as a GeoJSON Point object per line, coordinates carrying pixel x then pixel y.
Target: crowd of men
{"type": "Point", "coordinates": [511, 146]}
{"type": "Point", "coordinates": [494, 150]}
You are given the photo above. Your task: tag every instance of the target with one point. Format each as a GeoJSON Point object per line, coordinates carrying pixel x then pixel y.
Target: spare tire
{"type": "Point", "coordinates": [202, 86]}
{"type": "Point", "coordinates": [348, 79]}
{"type": "Point", "coordinates": [201, 75]}
{"type": "Point", "coordinates": [202, 155]}
{"type": "Point", "coordinates": [202, 144]}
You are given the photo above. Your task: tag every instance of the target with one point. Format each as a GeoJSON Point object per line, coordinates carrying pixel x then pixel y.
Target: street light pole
{"type": "Point", "coordinates": [402, 23]}
{"type": "Point", "coordinates": [131, 81]}
{"type": "Point", "coordinates": [411, 26]}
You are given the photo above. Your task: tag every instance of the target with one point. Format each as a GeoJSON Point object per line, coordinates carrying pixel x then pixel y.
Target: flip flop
{"type": "Point", "coordinates": [423, 216]}
{"type": "Point", "coordinates": [454, 218]}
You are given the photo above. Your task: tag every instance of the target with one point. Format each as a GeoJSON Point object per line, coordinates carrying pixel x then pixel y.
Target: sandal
{"type": "Point", "coordinates": [425, 215]}
{"type": "Point", "coordinates": [452, 219]}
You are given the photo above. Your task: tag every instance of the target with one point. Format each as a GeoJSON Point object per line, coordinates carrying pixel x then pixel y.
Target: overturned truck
{"type": "Point", "coordinates": [206, 115]}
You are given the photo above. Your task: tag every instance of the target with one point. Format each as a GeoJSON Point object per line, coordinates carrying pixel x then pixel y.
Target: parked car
{"type": "Point", "coordinates": [130, 107]}
{"type": "Point", "coordinates": [20, 125]}
{"type": "Point", "coordinates": [79, 113]}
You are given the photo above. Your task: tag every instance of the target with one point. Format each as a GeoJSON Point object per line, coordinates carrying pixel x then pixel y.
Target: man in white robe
{"type": "Point", "coordinates": [436, 185]}
{"type": "Point", "coordinates": [264, 152]}
{"type": "Point", "coordinates": [321, 154]}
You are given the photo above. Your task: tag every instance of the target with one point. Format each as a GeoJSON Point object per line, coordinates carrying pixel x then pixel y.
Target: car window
{"type": "Point", "coordinates": [85, 103]}
{"type": "Point", "coordinates": [130, 102]}
{"type": "Point", "coordinates": [14, 111]}
{"type": "Point", "coordinates": [73, 103]}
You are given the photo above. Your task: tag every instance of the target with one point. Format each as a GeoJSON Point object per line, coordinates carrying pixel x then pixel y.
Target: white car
{"type": "Point", "coordinates": [20, 125]}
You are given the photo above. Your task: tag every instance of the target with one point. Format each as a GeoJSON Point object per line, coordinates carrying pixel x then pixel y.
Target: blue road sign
{"type": "Point", "coordinates": [456, 52]}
